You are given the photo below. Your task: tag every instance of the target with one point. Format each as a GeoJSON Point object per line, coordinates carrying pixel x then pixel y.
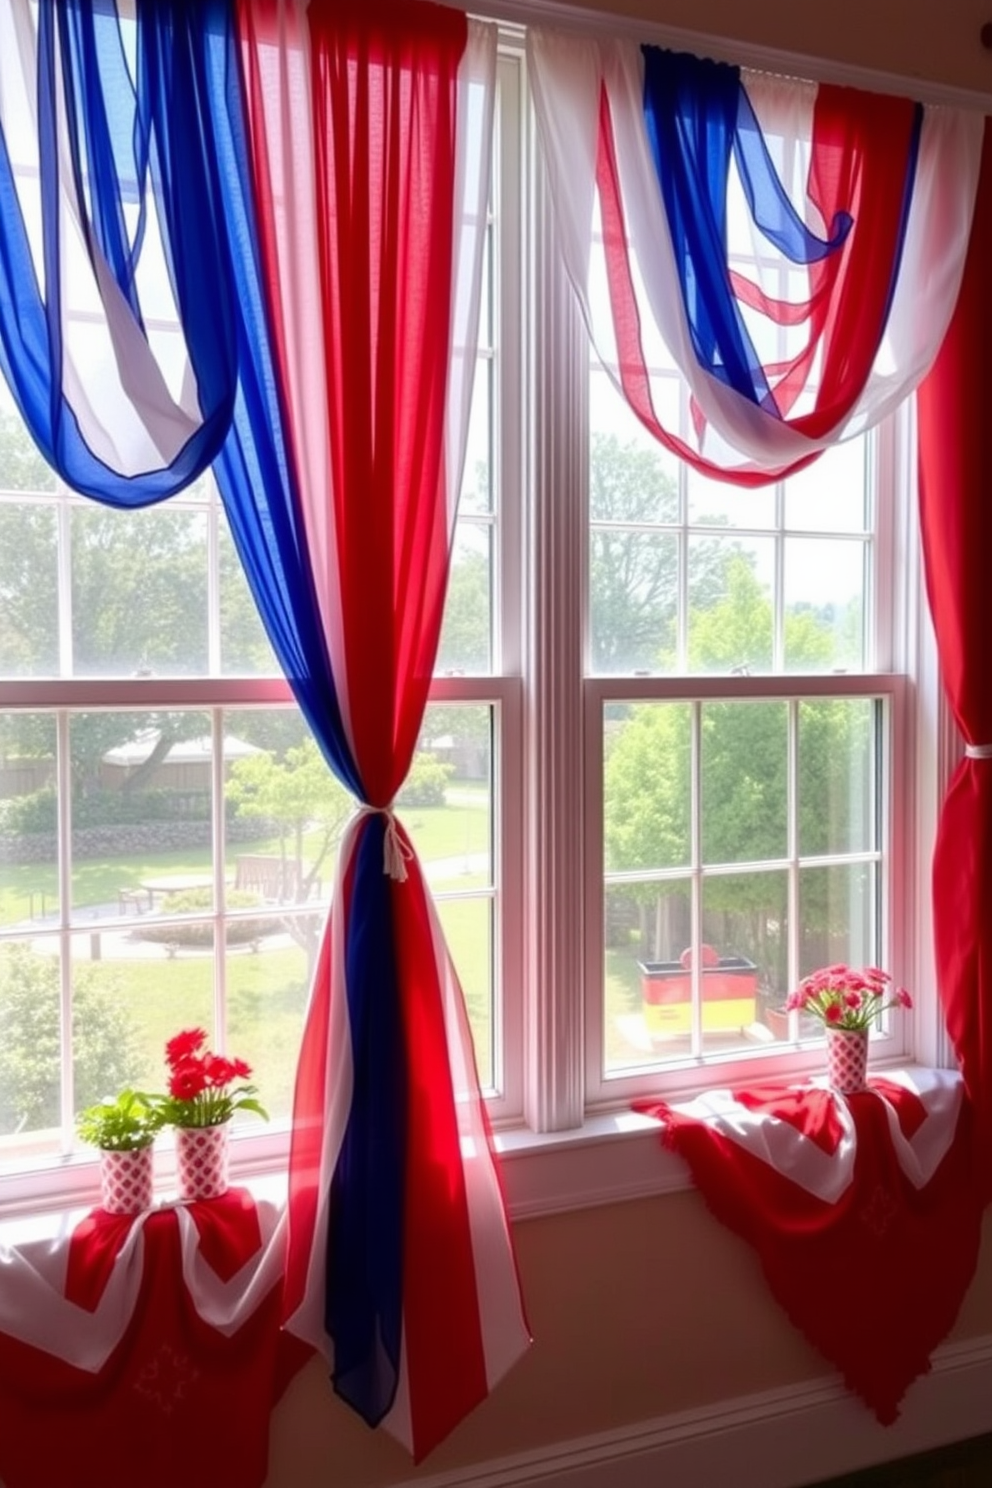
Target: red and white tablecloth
{"type": "Point", "coordinates": [145, 1351]}
{"type": "Point", "coordinates": [863, 1209]}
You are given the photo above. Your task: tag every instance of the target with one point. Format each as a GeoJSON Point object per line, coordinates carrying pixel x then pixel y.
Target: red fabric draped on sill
{"type": "Point", "coordinates": [178, 1399]}
{"type": "Point", "coordinates": [861, 1211]}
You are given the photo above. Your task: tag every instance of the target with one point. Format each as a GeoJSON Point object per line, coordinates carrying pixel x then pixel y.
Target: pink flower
{"type": "Point", "coordinates": [902, 997]}
{"type": "Point", "coordinates": [184, 1045]}
{"type": "Point", "coordinates": [187, 1080]}
{"type": "Point", "coordinates": [852, 999]}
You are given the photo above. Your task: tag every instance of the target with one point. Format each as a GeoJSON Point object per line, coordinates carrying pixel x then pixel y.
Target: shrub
{"type": "Point", "coordinates": [426, 782]}
{"type": "Point", "coordinates": [105, 1049]}
{"type": "Point", "coordinates": [201, 936]}
{"type": "Point", "coordinates": [36, 812]}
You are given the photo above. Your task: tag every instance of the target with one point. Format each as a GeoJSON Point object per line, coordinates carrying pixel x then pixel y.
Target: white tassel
{"type": "Point", "coordinates": [395, 852]}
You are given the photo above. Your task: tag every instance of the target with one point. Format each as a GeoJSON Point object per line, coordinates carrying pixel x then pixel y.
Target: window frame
{"type": "Point", "coordinates": [552, 1103]}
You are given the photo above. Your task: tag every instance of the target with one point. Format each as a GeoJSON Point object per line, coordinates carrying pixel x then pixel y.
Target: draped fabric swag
{"type": "Point", "coordinates": [802, 328]}
{"type": "Point", "coordinates": [316, 178]}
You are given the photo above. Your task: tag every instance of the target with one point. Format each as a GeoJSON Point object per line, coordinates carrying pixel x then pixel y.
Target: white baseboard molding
{"type": "Point", "coordinates": [779, 1439]}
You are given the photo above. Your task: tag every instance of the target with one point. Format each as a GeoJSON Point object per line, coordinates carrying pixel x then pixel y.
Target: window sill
{"type": "Point", "coordinates": [613, 1157]}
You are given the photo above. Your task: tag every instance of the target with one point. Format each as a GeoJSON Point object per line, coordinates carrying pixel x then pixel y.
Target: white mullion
{"type": "Point", "coordinates": [218, 861]}
{"type": "Point", "coordinates": [778, 610]}
{"type": "Point", "coordinates": [64, 850]}
{"type": "Point", "coordinates": [682, 601]}
{"type": "Point", "coordinates": [555, 972]}
{"type": "Point", "coordinates": [213, 584]}
{"type": "Point", "coordinates": [698, 881]}
{"type": "Point", "coordinates": [792, 849]}
{"type": "Point", "coordinates": [63, 551]}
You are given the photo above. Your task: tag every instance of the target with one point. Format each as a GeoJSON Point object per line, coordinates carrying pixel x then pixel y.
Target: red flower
{"type": "Point", "coordinates": [903, 998]}
{"type": "Point", "coordinates": [241, 1069]}
{"type": "Point", "coordinates": [852, 999]}
{"type": "Point", "coordinates": [188, 1080]}
{"type": "Point", "coordinates": [218, 1070]}
{"type": "Point", "coordinates": [834, 1013]}
{"type": "Point", "coordinates": [184, 1045]}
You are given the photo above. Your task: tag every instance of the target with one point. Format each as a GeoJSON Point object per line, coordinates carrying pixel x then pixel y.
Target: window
{"type": "Point", "coordinates": [747, 771]}
{"type": "Point", "coordinates": [663, 772]}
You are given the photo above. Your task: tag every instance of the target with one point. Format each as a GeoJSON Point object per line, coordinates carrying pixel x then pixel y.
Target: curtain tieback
{"type": "Point", "coordinates": [978, 751]}
{"type": "Point", "coordinates": [395, 852]}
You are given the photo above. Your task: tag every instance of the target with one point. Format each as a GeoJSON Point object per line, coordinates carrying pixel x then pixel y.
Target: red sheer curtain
{"type": "Point", "coordinates": [955, 442]}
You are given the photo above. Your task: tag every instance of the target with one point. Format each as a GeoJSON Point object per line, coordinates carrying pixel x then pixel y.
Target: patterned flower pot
{"type": "Point", "coordinates": [126, 1181]}
{"type": "Point", "coordinates": [201, 1160]}
{"type": "Point", "coordinates": [847, 1059]}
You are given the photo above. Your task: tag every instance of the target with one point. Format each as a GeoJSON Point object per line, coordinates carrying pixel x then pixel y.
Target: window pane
{"type": "Point", "coordinates": [744, 781]}
{"type": "Point", "coordinates": [633, 600]}
{"type": "Point", "coordinates": [446, 805]}
{"type": "Point", "coordinates": [244, 647]}
{"type": "Point", "coordinates": [744, 959]}
{"type": "Point", "coordinates": [269, 964]}
{"type": "Point", "coordinates": [477, 479]}
{"type": "Point", "coordinates": [466, 644]}
{"type": "Point", "coordinates": [610, 414]}
{"type": "Point", "coordinates": [139, 591]}
{"type": "Point", "coordinates": [838, 807]}
{"type": "Point", "coordinates": [22, 465]}
{"type": "Point", "coordinates": [129, 995]}
{"type": "Point", "coordinates": [30, 1106]}
{"type": "Point", "coordinates": [645, 927]}
{"type": "Point", "coordinates": [468, 930]}
{"type": "Point", "coordinates": [29, 604]}
{"type": "Point", "coordinates": [824, 605]}
{"type": "Point", "coordinates": [646, 800]}
{"type": "Point", "coordinates": [731, 613]}
{"type": "Point", "coordinates": [284, 811]}
{"type": "Point", "coordinates": [29, 884]}
{"type": "Point", "coordinates": [714, 503]}
{"type": "Point", "coordinates": [141, 813]}
{"type": "Point", "coordinates": [831, 495]}
{"type": "Point", "coordinates": [838, 916]}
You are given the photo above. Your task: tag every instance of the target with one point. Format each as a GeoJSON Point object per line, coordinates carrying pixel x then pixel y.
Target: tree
{"type": "Point", "coordinates": [465, 643]}
{"type": "Point", "coordinates": [138, 605]}
{"type": "Point", "coordinates": [744, 785]}
{"type": "Point", "coordinates": [104, 1046]}
{"type": "Point", "coordinates": [302, 796]}
{"type": "Point", "coordinates": [633, 572]}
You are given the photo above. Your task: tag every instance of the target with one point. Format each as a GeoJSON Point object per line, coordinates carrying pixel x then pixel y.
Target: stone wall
{"type": "Point", "coordinates": [125, 841]}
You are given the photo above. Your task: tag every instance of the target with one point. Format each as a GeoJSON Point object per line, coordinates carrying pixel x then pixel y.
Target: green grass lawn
{"type": "Point", "coordinates": [161, 989]}
{"type": "Point", "coordinates": [30, 890]}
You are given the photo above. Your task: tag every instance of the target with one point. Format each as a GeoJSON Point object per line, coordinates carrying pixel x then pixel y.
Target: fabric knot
{"type": "Point", "coordinates": [978, 751]}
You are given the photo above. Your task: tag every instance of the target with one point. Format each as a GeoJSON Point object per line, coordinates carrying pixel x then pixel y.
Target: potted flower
{"type": "Point", "coordinates": [123, 1127]}
{"type": "Point", "coordinates": [204, 1091]}
{"type": "Point", "coordinates": [847, 1003]}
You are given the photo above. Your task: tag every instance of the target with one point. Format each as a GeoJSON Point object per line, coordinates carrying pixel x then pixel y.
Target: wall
{"type": "Point", "coordinates": [650, 1307]}
{"type": "Point", "coordinates": [905, 39]}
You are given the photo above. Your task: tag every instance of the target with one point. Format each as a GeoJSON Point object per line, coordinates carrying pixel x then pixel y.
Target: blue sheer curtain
{"type": "Point", "coordinates": [122, 135]}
